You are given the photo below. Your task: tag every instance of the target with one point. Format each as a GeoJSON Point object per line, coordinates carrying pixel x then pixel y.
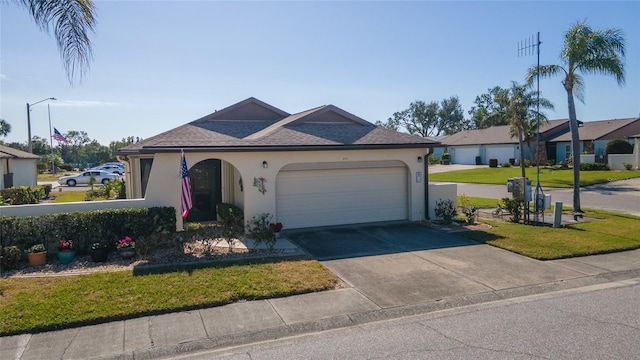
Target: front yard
{"type": "Point", "coordinates": [607, 232]}
{"type": "Point", "coordinates": [57, 302]}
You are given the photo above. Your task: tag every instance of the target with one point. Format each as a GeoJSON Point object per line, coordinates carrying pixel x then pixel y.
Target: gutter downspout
{"type": "Point", "coordinates": [426, 185]}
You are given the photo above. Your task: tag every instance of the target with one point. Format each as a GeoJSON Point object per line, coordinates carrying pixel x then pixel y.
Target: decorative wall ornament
{"type": "Point", "coordinates": [259, 183]}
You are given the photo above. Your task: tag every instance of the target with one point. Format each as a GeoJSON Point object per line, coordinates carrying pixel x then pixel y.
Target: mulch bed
{"type": "Point", "coordinates": [201, 251]}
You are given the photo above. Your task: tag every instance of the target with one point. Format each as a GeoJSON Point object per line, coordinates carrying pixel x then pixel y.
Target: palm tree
{"type": "Point", "coordinates": [585, 51]}
{"type": "Point", "coordinates": [518, 107]}
{"type": "Point", "coordinates": [5, 128]}
{"type": "Point", "coordinates": [72, 20]}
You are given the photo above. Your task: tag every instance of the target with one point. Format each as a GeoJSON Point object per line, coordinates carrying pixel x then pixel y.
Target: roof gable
{"type": "Point", "coordinates": [248, 109]}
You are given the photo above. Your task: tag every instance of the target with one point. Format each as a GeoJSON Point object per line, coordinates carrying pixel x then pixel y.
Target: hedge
{"type": "Point", "coordinates": [587, 166]}
{"type": "Point", "coordinates": [86, 228]}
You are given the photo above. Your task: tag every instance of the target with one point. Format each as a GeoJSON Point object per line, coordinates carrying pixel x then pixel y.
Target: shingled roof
{"type": "Point", "coordinates": [11, 153]}
{"type": "Point", "coordinates": [495, 134]}
{"type": "Point", "coordinates": [252, 125]}
{"type": "Point", "coordinates": [596, 130]}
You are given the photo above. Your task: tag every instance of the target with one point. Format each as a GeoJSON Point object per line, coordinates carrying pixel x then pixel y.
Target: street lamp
{"type": "Point", "coordinates": [29, 120]}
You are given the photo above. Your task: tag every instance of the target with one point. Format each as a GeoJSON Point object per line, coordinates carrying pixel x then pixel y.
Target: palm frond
{"type": "Point", "coordinates": [544, 70]}
{"type": "Point", "coordinates": [72, 21]}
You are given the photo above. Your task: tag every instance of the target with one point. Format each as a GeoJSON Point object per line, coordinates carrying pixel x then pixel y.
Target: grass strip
{"type": "Point", "coordinates": [57, 302]}
{"type": "Point", "coordinates": [559, 178]}
{"type": "Point", "coordinates": [610, 232]}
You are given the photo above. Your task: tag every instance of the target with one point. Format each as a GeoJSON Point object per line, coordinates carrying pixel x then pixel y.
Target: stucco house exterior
{"type": "Point", "coordinates": [319, 167]}
{"type": "Point", "coordinates": [496, 143]}
{"type": "Point", "coordinates": [18, 168]}
{"type": "Point", "coordinates": [595, 135]}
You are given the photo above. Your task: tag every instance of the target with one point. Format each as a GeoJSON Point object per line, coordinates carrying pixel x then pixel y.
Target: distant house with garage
{"type": "Point", "coordinates": [319, 167]}
{"type": "Point", "coordinates": [18, 168]}
{"type": "Point", "coordinates": [594, 137]}
{"type": "Point", "coordinates": [479, 145]}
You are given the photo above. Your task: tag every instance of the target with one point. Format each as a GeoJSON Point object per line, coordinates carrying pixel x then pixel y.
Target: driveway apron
{"type": "Point", "coordinates": [396, 264]}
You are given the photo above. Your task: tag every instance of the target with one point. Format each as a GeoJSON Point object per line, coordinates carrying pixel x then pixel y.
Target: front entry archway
{"type": "Point", "coordinates": [206, 190]}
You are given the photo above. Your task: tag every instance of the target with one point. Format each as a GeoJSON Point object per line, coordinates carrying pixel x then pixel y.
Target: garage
{"type": "Point", "coordinates": [501, 152]}
{"type": "Point", "coordinates": [309, 195]}
{"type": "Point", "coordinates": [464, 155]}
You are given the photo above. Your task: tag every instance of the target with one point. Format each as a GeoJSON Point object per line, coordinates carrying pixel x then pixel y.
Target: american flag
{"type": "Point", "coordinates": [187, 204]}
{"type": "Point", "coordinates": [58, 136]}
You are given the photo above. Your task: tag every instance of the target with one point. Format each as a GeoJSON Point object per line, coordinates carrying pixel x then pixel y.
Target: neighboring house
{"type": "Point", "coordinates": [18, 168]}
{"type": "Point", "coordinates": [320, 167]}
{"type": "Point", "coordinates": [595, 135]}
{"type": "Point", "coordinates": [496, 143]}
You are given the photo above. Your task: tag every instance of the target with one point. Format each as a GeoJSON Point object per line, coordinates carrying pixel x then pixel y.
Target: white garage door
{"type": "Point", "coordinates": [465, 155]}
{"type": "Point", "coordinates": [501, 152]}
{"type": "Point", "coordinates": [322, 197]}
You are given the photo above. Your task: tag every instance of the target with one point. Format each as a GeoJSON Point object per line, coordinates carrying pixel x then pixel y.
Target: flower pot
{"type": "Point", "coordinates": [37, 259]}
{"type": "Point", "coordinates": [127, 253]}
{"type": "Point", "coordinates": [99, 255]}
{"type": "Point", "coordinates": [66, 256]}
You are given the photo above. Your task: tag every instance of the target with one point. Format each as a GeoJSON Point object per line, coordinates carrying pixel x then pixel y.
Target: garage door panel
{"type": "Point", "coordinates": [333, 197]}
{"type": "Point", "coordinates": [465, 155]}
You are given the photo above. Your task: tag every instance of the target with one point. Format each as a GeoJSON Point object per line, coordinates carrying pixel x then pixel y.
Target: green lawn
{"type": "Point", "coordinates": [561, 178]}
{"type": "Point", "coordinates": [610, 232]}
{"type": "Point", "coordinates": [68, 196]}
{"type": "Point", "coordinates": [57, 302]}
{"type": "Point", "coordinates": [54, 177]}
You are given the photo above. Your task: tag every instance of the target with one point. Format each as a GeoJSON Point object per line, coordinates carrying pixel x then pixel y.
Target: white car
{"type": "Point", "coordinates": [110, 168]}
{"type": "Point", "coordinates": [101, 177]}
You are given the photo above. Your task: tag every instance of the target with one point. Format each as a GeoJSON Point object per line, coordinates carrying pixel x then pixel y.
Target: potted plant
{"type": "Point", "coordinates": [99, 252]}
{"type": "Point", "coordinates": [126, 248]}
{"type": "Point", "coordinates": [37, 255]}
{"type": "Point", "coordinates": [66, 251]}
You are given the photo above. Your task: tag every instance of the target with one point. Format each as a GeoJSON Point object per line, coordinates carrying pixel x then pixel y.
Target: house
{"type": "Point", "coordinates": [636, 151]}
{"type": "Point", "coordinates": [496, 142]}
{"type": "Point", "coordinates": [319, 167]}
{"type": "Point", "coordinates": [595, 135]}
{"type": "Point", "coordinates": [18, 168]}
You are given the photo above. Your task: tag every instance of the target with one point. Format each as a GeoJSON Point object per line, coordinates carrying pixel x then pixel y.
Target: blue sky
{"type": "Point", "coordinates": [160, 64]}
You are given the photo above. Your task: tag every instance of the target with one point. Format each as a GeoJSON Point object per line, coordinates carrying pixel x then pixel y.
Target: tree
{"type": "Point", "coordinates": [5, 128]}
{"type": "Point", "coordinates": [432, 119]}
{"type": "Point", "coordinates": [518, 106]}
{"type": "Point", "coordinates": [485, 105]}
{"type": "Point", "coordinates": [585, 51]}
{"type": "Point", "coordinates": [451, 116]}
{"type": "Point", "coordinates": [72, 20]}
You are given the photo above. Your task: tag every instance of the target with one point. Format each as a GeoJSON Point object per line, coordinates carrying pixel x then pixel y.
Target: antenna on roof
{"type": "Point", "coordinates": [525, 48]}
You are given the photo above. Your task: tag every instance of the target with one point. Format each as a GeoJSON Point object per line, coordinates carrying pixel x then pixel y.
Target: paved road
{"type": "Point", "coordinates": [565, 325]}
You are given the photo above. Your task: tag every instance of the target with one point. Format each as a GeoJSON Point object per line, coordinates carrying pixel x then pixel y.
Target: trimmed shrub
{"type": "Point", "coordinates": [493, 163]}
{"type": "Point", "coordinates": [446, 159]}
{"type": "Point", "coordinates": [506, 164]}
{"type": "Point", "coordinates": [21, 195]}
{"type": "Point", "coordinates": [86, 228]}
{"type": "Point", "coordinates": [619, 147]}
{"type": "Point", "coordinates": [9, 257]}
{"type": "Point", "coordinates": [593, 166]}
{"type": "Point", "coordinates": [446, 210]}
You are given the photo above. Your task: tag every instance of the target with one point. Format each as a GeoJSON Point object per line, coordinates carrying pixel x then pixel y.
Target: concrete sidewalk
{"type": "Point", "coordinates": [247, 322]}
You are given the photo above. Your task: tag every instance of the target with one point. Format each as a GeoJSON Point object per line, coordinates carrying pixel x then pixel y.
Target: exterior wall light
{"type": "Point", "coordinates": [265, 164]}
{"type": "Point", "coordinates": [419, 159]}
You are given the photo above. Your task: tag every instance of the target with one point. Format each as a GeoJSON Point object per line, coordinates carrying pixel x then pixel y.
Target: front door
{"type": "Point", "coordinates": [206, 190]}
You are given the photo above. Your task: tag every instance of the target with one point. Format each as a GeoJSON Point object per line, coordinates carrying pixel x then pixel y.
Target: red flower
{"type": "Point", "coordinates": [275, 227]}
{"type": "Point", "coordinates": [65, 245]}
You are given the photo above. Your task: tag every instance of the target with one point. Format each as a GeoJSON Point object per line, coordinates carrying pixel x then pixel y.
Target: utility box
{"type": "Point", "coordinates": [543, 202]}
{"type": "Point", "coordinates": [520, 188]}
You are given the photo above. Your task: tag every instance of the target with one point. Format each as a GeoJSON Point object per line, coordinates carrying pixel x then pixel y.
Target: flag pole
{"type": "Point", "coordinates": [53, 163]}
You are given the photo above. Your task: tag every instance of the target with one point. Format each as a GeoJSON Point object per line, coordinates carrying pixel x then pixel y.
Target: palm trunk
{"type": "Point", "coordinates": [521, 142]}
{"type": "Point", "coordinates": [575, 150]}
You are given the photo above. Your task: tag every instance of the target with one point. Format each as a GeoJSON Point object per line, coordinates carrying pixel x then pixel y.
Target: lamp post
{"type": "Point", "coordinates": [29, 120]}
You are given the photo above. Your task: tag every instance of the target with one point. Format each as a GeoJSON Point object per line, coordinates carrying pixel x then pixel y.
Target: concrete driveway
{"type": "Point", "coordinates": [396, 264]}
